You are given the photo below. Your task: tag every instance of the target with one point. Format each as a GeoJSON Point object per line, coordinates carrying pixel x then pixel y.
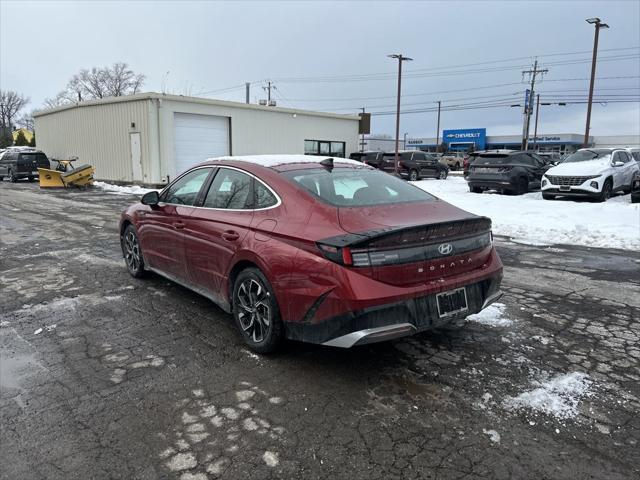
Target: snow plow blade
{"type": "Point", "coordinates": [78, 177]}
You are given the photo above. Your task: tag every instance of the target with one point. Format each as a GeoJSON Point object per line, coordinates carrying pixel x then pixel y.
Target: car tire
{"type": "Point", "coordinates": [414, 176]}
{"type": "Point", "coordinates": [548, 196]}
{"type": "Point", "coordinates": [522, 186]}
{"type": "Point", "coordinates": [132, 252]}
{"type": "Point", "coordinates": [12, 177]}
{"type": "Point", "coordinates": [443, 174]}
{"type": "Point", "coordinates": [457, 166]}
{"type": "Point", "coordinates": [31, 179]}
{"type": "Point", "coordinates": [256, 311]}
{"type": "Point", "coordinates": [475, 189]}
{"type": "Point", "coordinates": [605, 194]}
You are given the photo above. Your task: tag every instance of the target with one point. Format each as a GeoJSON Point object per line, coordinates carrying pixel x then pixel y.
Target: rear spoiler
{"type": "Point", "coordinates": [431, 232]}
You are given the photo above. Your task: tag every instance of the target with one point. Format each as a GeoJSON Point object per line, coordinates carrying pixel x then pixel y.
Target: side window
{"type": "Point", "coordinates": [617, 157]}
{"type": "Point", "coordinates": [186, 189]}
{"type": "Point", "coordinates": [263, 196]}
{"type": "Point", "coordinates": [230, 189]}
{"type": "Point", "coordinates": [625, 157]}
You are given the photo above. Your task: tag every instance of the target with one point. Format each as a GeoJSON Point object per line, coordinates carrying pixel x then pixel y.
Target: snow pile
{"type": "Point", "coordinates": [493, 316]}
{"type": "Point", "coordinates": [558, 397]}
{"type": "Point", "coordinates": [125, 190]}
{"type": "Point", "coordinates": [530, 219]}
{"type": "Point", "coordinates": [274, 160]}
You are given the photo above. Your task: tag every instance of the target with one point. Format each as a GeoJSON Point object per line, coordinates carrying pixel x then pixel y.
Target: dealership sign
{"type": "Point", "coordinates": [458, 139]}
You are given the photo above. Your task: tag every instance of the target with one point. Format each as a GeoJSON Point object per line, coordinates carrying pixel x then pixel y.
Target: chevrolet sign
{"type": "Point", "coordinates": [462, 139]}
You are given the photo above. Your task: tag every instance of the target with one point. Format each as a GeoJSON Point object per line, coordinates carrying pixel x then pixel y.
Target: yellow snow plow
{"type": "Point", "coordinates": [66, 175]}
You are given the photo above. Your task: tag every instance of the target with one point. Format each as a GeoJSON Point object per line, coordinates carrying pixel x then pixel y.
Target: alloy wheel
{"type": "Point", "coordinates": [254, 312]}
{"type": "Point", "coordinates": [443, 174]}
{"type": "Point", "coordinates": [132, 251]}
{"type": "Point", "coordinates": [413, 176]}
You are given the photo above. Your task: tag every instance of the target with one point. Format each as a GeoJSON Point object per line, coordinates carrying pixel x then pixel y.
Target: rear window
{"type": "Point", "coordinates": [345, 187]}
{"type": "Point", "coordinates": [493, 159]}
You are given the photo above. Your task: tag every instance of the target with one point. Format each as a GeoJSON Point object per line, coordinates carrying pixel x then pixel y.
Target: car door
{"type": "Point", "coordinates": [161, 228]}
{"type": "Point", "coordinates": [430, 166]}
{"type": "Point", "coordinates": [216, 230]}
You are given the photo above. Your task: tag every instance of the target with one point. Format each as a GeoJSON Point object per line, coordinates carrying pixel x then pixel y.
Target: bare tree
{"type": "Point", "coordinates": [26, 121]}
{"type": "Point", "coordinates": [114, 81]}
{"type": "Point", "coordinates": [10, 105]}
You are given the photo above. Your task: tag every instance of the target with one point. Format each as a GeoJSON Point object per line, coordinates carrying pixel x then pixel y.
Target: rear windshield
{"type": "Point", "coordinates": [585, 155]}
{"type": "Point", "coordinates": [493, 159]}
{"type": "Point", "coordinates": [30, 157]}
{"type": "Point", "coordinates": [346, 187]}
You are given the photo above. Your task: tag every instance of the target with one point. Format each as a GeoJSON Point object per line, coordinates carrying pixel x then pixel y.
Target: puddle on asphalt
{"type": "Point", "coordinates": [12, 372]}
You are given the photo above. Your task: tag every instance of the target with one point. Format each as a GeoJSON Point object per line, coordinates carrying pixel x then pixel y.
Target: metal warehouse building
{"type": "Point", "coordinates": [150, 138]}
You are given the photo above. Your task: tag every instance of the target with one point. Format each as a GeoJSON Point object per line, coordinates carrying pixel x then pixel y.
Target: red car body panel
{"type": "Point", "coordinates": [202, 247]}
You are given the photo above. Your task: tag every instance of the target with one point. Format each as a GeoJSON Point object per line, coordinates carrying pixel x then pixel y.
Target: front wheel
{"type": "Point", "coordinates": [132, 252]}
{"type": "Point", "coordinates": [475, 189]}
{"type": "Point", "coordinates": [413, 175]}
{"type": "Point", "coordinates": [548, 196]}
{"type": "Point", "coordinates": [443, 174]}
{"type": "Point", "coordinates": [522, 186]}
{"type": "Point", "coordinates": [256, 311]}
{"type": "Point", "coordinates": [606, 191]}
{"type": "Point", "coordinates": [12, 177]}
{"type": "Point", "coordinates": [30, 178]}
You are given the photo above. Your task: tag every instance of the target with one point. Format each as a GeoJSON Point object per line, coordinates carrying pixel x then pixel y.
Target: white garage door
{"type": "Point", "coordinates": [198, 137]}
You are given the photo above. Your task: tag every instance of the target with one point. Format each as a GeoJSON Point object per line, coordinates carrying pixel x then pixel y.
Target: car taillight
{"type": "Point", "coordinates": [336, 254]}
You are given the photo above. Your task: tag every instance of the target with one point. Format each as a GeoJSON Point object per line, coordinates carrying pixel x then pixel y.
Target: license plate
{"type": "Point", "coordinates": [453, 301]}
{"type": "Point", "coordinates": [484, 170]}
{"type": "Point", "coordinates": [565, 188]}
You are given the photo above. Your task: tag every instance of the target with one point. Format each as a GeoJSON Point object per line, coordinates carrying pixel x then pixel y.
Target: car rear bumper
{"type": "Point", "coordinates": [490, 184]}
{"type": "Point", "coordinates": [386, 319]}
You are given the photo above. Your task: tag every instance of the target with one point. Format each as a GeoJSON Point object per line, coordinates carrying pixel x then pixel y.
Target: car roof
{"type": "Point", "coordinates": [285, 162]}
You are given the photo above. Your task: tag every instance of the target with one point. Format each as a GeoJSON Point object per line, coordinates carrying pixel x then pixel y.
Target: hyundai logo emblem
{"type": "Point", "coordinates": [445, 248]}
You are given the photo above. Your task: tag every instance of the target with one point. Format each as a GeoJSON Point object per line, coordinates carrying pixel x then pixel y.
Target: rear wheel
{"type": "Point", "coordinates": [413, 175]}
{"type": "Point", "coordinates": [522, 186]}
{"type": "Point", "coordinates": [132, 252]}
{"type": "Point", "coordinates": [256, 311]}
{"type": "Point", "coordinates": [548, 196]}
{"type": "Point", "coordinates": [443, 174]}
{"type": "Point", "coordinates": [605, 194]}
{"type": "Point", "coordinates": [475, 189]}
{"type": "Point", "coordinates": [12, 177]}
{"type": "Point", "coordinates": [30, 178]}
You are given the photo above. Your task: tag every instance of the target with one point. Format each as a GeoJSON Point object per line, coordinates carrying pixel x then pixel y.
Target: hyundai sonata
{"type": "Point", "coordinates": [321, 250]}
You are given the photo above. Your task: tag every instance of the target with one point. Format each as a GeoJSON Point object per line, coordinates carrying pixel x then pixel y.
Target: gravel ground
{"type": "Point", "coordinates": [103, 376]}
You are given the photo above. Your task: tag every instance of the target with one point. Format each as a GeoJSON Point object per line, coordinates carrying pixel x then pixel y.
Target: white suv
{"type": "Point", "coordinates": [591, 172]}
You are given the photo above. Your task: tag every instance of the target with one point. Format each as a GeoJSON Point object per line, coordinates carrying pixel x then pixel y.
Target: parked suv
{"type": "Point", "coordinates": [369, 158]}
{"type": "Point", "coordinates": [454, 160]}
{"type": "Point", "coordinates": [635, 188]}
{"type": "Point", "coordinates": [21, 162]}
{"type": "Point", "coordinates": [591, 172]}
{"type": "Point", "coordinates": [415, 165]}
{"type": "Point", "coordinates": [508, 171]}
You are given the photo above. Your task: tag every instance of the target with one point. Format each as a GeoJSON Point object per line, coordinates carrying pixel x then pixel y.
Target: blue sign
{"type": "Point", "coordinates": [463, 139]}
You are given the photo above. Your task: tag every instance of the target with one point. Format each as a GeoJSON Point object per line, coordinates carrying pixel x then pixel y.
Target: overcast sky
{"type": "Point", "coordinates": [200, 47]}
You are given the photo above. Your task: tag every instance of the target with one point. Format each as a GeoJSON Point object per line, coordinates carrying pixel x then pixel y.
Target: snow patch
{"type": "Point", "coordinates": [531, 219]}
{"type": "Point", "coordinates": [270, 458]}
{"type": "Point", "coordinates": [558, 396]}
{"type": "Point", "coordinates": [275, 160]}
{"type": "Point", "coordinates": [125, 190]}
{"type": "Point", "coordinates": [493, 435]}
{"type": "Point", "coordinates": [182, 461]}
{"type": "Point", "coordinates": [493, 316]}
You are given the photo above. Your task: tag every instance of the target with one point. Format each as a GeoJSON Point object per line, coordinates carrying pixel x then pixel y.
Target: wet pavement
{"type": "Point", "coordinates": [104, 376]}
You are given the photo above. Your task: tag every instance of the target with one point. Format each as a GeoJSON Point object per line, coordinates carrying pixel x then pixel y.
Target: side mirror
{"type": "Point", "coordinates": [617, 164]}
{"type": "Point", "coordinates": [151, 198]}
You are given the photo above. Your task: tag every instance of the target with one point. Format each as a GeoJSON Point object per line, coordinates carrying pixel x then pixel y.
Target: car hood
{"type": "Point", "coordinates": [589, 167]}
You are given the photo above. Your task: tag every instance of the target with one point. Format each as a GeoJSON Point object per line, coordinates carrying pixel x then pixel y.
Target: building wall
{"type": "Point", "coordinates": [630, 141]}
{"type": "Point", "coordinates": [256, 130]}
{"type": "Point", "coordinates": [98, 134]}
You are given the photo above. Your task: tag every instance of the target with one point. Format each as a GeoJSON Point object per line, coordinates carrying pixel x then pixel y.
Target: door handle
{"type": "Point", "coordinates": [230, 235]}
{"type": "Point", "coordinates": [178, 225]}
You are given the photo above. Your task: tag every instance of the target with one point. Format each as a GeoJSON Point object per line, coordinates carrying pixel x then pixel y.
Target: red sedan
{"type": "Point", "coordinates": [314, 249]}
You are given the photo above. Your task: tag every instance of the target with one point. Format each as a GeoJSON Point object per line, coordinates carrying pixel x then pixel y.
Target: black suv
{"type": "Point", "coordinates": [17, 163]}
{"type": "Point", "coordinates": [370, 158]}
{"type": "Point", "coordinates": [635, 188]}
{"type": "Point", "coordinates": [415, 165]}
{"type": "Point", "coordinates": [508, 171]}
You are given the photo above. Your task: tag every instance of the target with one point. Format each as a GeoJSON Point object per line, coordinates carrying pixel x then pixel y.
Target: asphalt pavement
{"type": "Point", "coordinates": [103, 376]}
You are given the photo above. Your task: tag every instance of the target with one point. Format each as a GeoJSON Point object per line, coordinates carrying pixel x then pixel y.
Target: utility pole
{"type": "Point", "coordinates": [529, 103]}
{"type": "Point", "coordinates": [438, 128]}
{"type": "Point", "coordinates": [535, 130]}
{"type": "Point", "coordinates": [598, 24]}
{"type": "Point", "coordinates": [247, 86]}
{"type": "Point", "coordinates": [401, 59]}
{"type": "Point", "coordinates": [268, 89]}
{"type": "Point", "coordinates": [362, 141]}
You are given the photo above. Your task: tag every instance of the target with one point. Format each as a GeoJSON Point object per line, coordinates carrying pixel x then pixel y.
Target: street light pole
{"type": "Point", "coordinates": [438, 128]}
{"type": "Point", "coordinates": [400, 58]}
{"type": "Point", "coordinates": [598, 24]}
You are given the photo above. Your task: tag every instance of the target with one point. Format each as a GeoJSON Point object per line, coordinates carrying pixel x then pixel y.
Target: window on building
{"type": "Point", "coordinates": [326, 148]}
